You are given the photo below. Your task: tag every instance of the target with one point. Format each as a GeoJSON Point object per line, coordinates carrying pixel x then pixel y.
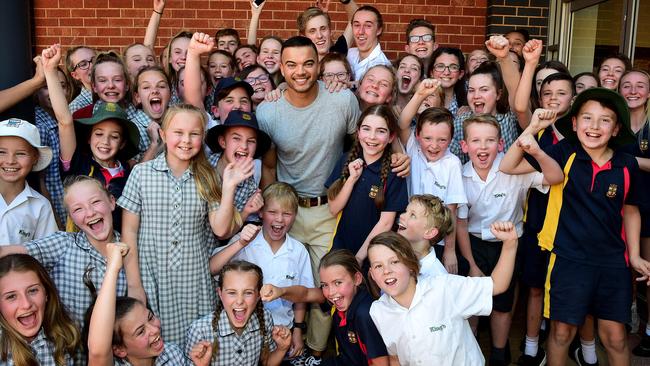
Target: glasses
{"type": "Point", "coordinates": [424, 38]}
{"type": "Point", "coordinates": [260, 79]}
{"type": "Point", "coordinates": [83, 64]}
{"type": "Point", "coordinates": [450, 67]}
{"type": "Point", "coordinates": [340, 76]}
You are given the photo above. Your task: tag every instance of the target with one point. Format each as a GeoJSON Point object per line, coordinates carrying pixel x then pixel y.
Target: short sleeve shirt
{"type": "Point", "coordinates": [171, 355]}
{"type": "Point", "coordinates": [509, 132]}
{"type": "Point", "coordinates": [43, 349]}
{"type": "Point", "coordinates": [234, 349]}
{"type": "Point", "coordinates": [360, 214]}
{"type": "Point", "coordinates": [360, 67]}
{"type": "Point", "coordinates": [48, 129]}
{"type": "Point", "coordinates": [434, 329]}
{"type": "Point", "coordinates": [27, 217]}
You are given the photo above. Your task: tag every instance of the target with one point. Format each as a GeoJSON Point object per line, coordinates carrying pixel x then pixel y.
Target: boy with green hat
{"type": "Point", "coordinates": [592, 224]}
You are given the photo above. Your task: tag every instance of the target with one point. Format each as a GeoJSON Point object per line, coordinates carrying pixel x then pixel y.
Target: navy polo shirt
{"type": "Point", "coordinates": [584, 220]}
{"type": "Point", "coordinates": [360, 214]}
{"type": "Point", "coordinates": [641, 148]}
{"type": "Point", "coordinates": [356, 335]}
{"type": "Point", "coordinates": [537, 201]}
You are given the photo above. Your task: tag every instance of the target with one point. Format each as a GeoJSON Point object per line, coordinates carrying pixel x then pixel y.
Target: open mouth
{"type": "Point", "coordinates": [28, 320]}
{"type": "Point", "coordinates": [96, 224]}
{"type": "Point", "coordinates": [239, 314]}
{"type": "Point", "coordinates": [156, 105]}
{"type": "Point", "coordinates": [479, 107]}
{"type": "Point", "coordinates": [157, 343]}
{"type": "Point", "coordinates": [593, 135]}
{"type": "Point", "coordinates": [483, 157]}
{"type": "Point", "coordinates": [277, 229]}
{"type": "Point", "coordinates": [405, 82]}
{"type": "Point", "coordinates": [390, 281]}
{"type": "Point", "coordinates": [337, 301]}
{"type": "Point", "coordinates": [10, 170]}
{"type": "Point", "coordinates": [401, 227]}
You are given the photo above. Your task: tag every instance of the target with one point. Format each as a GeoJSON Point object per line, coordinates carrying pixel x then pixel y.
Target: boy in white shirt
{"type": "Point", "coordinates": [25, 214]}
{"type": "Point", "coordinates": [284, 260]}
{"type": "Point", "coordinates": [367, 26]}
{"type": "Point", "coordinates": [492, 196]}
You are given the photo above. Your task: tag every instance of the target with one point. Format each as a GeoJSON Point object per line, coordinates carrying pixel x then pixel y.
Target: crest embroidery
{"type": "Point", "coordinates": [352, 337]}
{"type": "Point", "coordinates": [611, 191]}
{"type": "Point", "coordinates": [373, 192]}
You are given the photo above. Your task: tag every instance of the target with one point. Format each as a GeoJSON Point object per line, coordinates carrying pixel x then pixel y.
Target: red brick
{"type": "Point", "coordinates": [95, 4]}
{"type": "Point", "coordinates": [83, 13]}
{"type": "Point", "coordinates": [95, 22]}
{"type": "Point", "coordinates": [120, 4]}
{"type": "Point", "coordinates": [57, 13]}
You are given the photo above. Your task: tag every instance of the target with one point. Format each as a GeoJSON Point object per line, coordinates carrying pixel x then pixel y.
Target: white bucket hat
{"type": "Point", "coordinates": [28, 132]}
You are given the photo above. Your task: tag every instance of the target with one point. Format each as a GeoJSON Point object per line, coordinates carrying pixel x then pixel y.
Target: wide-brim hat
{"type": "Point", "coordinates": [111, 111]}
{"type": "Point", "coordinates": [28, 132]}
{"type": "Point", "coordinates": [625, 135]}
{"type": "Point", "coordinates": [238, 118]}
{"type": "Point", "coordinates": [232, 83]}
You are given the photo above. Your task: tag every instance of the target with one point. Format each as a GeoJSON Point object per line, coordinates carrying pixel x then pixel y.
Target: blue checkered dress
{"type": "Point", "coordinates": [43, 349]}
{"type": "Point", "coordinates": [234, 349]}
{"type": "Point", "coordinates": [84, 99]}
{"type": "Point", "coordinates": [171, 355]}
{"type": "Point", "coordinates": [174, 244]}
{"type": "Point", "coordinates": [48, 128]}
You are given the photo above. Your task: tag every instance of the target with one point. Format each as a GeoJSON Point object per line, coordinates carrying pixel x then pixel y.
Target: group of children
{"type": "Point", "coordinates": [149, 185]}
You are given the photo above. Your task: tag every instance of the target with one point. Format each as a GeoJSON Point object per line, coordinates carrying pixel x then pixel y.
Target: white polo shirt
{"type": "Point", "coordinates": [434, 330]}
{"type": "Point", "coordinates": [359, 67]}
{"type": "Point", "coordinates": [499, 198]}
{"type": "Point", "coordinates": [29, 216]}
{"type": "Point", "coordinates": [289, 266]}
{"type": "Point", "coordinates": [431, 266]}
{"type": "Point", "coordinates": [442, 178]}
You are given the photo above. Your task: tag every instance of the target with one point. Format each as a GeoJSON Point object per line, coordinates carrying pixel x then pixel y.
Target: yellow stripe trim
{"type": "Point", "coordinates": [546, 236]}
{"type": "Point", "coordinates": [547, 287]}
{"type": "Point", "coordinates": [336, 227]}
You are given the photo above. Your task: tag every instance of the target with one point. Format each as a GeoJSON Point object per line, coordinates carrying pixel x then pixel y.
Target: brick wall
{"type": "Point", "coordinates": [113, 24]}
{"type": "Point", "coordinates": [532, 15]}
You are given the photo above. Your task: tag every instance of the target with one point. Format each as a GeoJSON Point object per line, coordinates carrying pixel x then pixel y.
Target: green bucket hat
{"type": "Point", "coordinates": [114, 112]}
{"type": "Point", "coordinates": [625, 135]}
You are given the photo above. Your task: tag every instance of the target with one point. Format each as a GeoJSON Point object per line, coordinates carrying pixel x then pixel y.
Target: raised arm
{"type": "Point", "coordinates": [425, 88]}
{"type": "Point", "coordinates": [296, 293]}
{"type": "Point", "coordinates": [200, 44]}
{"type": "Point", "coordinates": [154, 22]}
{"type": "Point", "coordinates": [220, 259]}
{"type": "Point", "coordinates": [221, 219]}
{"type": "Point", "coordinates": [256, 11]}
{"type": "Point", "coordinates": [532, 51]}
{"type": "Point", "coordinates": [130, 227]}
{"type": "Point", "coordinates": [385, 223]}
{"type": "Point", "coordinates": [350, 8]}
{"type": "Point", "coordinates": [500, 47]}
{"type": "Point", "coordinates": [102, 321]}
{"type": "Point", "coordinates": [50, 59]}
{"type": "Point", "coordinates": [10, 97]}
{"type": "Point", "coordinates": [502, 274]}
{"type": "Point", "coordinates": [337, 203]}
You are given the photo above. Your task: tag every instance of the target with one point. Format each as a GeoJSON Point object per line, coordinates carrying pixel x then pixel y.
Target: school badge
{"type": "Point", "coordinates": [373, 192]}
{"type": "Point", "coordinates": [352, 337]}
{"type": "Point", "coordinates": [611, 191]}
{"type": "Point", "coordinates": [643, 145]}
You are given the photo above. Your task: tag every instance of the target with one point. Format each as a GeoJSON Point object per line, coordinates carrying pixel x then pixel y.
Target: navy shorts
{"type": "Point", "coordinates": [574, 290]}
{"type": "Point", "coordinates": [534, 261]}
{"type": "Point", "coordinates": [486, 255]}
{"type": "Point", "coordinates": [463, 264]}
{"type": "Point", "coordinates": [645, 222]}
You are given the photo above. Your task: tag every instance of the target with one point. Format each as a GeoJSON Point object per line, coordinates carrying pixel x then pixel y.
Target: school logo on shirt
{"type": "Point", "coordinates": [643, 145]}
{"type": "Point", "coordinates": [438, 328]}
{"type": "Point", "coordinates": [373, 192]}
{"type": "Point", "coordinates": [611, 191]}
{"type": "Point", "coordinates": [499, 195]}
{"type": "Point", "coordinates": [25, 234]}
{"type": "Point", "coordinates": [289, 277]}
{"type": "Point", "coordinates": [352, 337]}
{"type": "Point", "coordinates": [439, 185]}
{"type": "Point", "coordinates": [14, 122]}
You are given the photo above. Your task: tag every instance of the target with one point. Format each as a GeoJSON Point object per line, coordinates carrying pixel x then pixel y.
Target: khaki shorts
{"type": "Point", "coordinates": [314, 227]}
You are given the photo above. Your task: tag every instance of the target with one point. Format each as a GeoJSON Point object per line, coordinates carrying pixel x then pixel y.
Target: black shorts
{"type": "Point", "coordinates": [463, 264]}
{"type": "Point", "coordinates": [574, 290]}
{"type": "Point", "coordinates": [533, 261]}
{"type": "Point", "coordinates": [486, 255]}
{"type": "Point", "coordinates": [645, 222]}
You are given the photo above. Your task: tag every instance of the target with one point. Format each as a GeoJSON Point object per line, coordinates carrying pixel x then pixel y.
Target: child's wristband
{"type": "Point", "coordinates": [157, 12]}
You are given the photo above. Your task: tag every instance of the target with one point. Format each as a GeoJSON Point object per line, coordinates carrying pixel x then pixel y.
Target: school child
{"type": "Point", "coordinates": [493, 196]}
{"type": "Point", "coordinates": [24, 213]}
{"type": "Point", "coordinates": [239, 331]}
{"type": "Point", "coordinates": [448, 66]}
{"type": "Point", "coordinates": [48, 129]}
{"type": "Point", "coordinates": [136, 57]}
{"type": "Point", "coordinates": [78, 62]}
{"type": "Point", "coordinates": [239, 138]}
{"type": "Point", "coordinates": [334, 66]}
{"type": "Point", "coordinates": [434, 169]}
{"type": "Point", "coordinates": [424, 321]}
{"type": "Point", "coordinates": [341, 284]}
{"type": "Point", "coordinates": [362, 190]}
{"type": "Point", "coordinates": [585, 217]}
{"type": "Point", "coordinates": [584, 81]}
{"type": "Point", "coordinates": [35, 328]}
{"type": "Point", "coordinates": [424, 223]}
{"type": "Point", "coordinates": [260, 80]}
{"type": "Point", "coordinates": [634, 87]}
{"type": "Point", "coordinates": [227, 39]}
{"type": "Point", "coordinates": [284, 260]}
{"type": "Point", "coordinates": [221, 64]}
{"type": "Point", "coordinates": [408, 74]}
{"type": "Point", "coordinates": [69, 257]}
{"type": "Point", "coordinates": [172, 207]}
{"type": "Point", "coordinates": [245, 55]}
{"type": "Point", "coordinates": [269, 57]}
{"type": "Point", "coordinates": [377, 86]}
{"type": "Point", "coordinates": [611, 69]}
{"type": "Point", "coordinates": [122, 330]}
{"type": "Point", "coordinates": [152, 94]}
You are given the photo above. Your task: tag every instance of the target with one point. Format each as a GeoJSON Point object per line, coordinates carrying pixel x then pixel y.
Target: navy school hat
{"type": "Point", "coordinates": [237, 118]}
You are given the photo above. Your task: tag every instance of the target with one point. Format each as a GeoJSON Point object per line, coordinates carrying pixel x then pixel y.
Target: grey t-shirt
{"type": "Point", "coordinates": [309, 140]}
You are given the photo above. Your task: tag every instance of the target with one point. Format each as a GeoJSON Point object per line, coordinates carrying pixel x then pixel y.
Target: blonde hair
{"type": "Point", "coordinates": [402, 249]}
{"type": "Point", "coordinates": [437, 213]}
{"type": "Point", "coordinates": [208, 183]}
{"type": "Point", "coordinates": [283, 193]}
{"type": "Point", "coordinates": [483, 118]}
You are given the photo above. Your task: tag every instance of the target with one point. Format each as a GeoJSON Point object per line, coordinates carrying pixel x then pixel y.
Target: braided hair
{"type": "Point", "coordinates": [387, 114]}
{"type": "Point", "coordinates": [242, 266]}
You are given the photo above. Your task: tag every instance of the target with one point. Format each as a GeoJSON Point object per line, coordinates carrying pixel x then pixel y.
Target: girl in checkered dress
{"type": "Point", "coordinates": [173, 208]}
{"type": "Point", "coordinates": [122, 330]}
{"type": "Point", "coordinates": [35, 329]}
{"type": "Point", "coordinates": [240, 331]}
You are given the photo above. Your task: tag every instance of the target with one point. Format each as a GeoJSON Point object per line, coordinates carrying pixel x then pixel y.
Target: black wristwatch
{"type": "Point", "coordinates": [300, 325]}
